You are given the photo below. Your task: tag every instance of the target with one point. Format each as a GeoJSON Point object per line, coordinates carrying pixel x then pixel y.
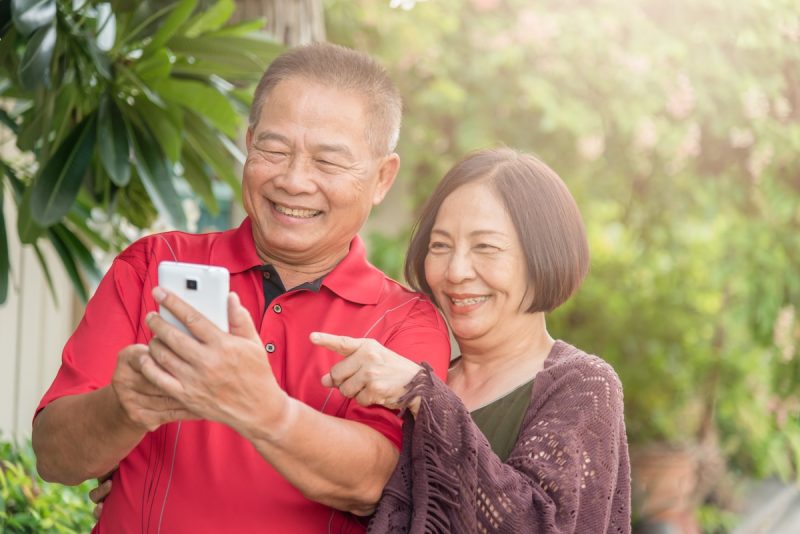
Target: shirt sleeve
{"type": "Point", "coordinates": [421, 337]}
{"type": "Point", "coordinates": [110, 323]}
{"type": "Point", "coordinates": [568, 471]}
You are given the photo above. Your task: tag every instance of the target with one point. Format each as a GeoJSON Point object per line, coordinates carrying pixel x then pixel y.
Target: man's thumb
{"type": "Point", "coordinates": [239, 320]}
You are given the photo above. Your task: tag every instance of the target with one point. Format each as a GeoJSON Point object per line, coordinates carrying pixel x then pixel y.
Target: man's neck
{"type": "Point", "coordinates": [294, 274]}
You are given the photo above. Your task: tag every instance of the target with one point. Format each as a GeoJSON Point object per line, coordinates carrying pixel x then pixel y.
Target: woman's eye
{"type": "Point", "coordinates": [486, 247]}
{"type": "Point", "coordinates": [437, 246]}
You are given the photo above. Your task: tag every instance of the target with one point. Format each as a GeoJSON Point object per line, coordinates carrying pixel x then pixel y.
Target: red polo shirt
{"type": "Point", "coordinates": [200, 476]}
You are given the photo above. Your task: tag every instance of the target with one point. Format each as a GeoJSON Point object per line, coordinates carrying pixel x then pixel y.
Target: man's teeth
{"type": "Point", "coordinates": [303, 214]}
{"type": "Point", "coordinates": [469, 301]}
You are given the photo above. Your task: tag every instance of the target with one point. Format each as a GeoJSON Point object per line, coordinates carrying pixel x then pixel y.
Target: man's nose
{"type": "Point", "coordinates": [297, 177]}
{"type": "Point", "coordinates": [460, 267]}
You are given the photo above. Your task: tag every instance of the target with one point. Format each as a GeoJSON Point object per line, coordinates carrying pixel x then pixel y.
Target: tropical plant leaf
{"type": "Point", "coordinates": [68, 260]}
{"type": "Point", "coordinates": [112, 142]}
{"type": "Point", "coordinates": [199, 180]}
{"type": "Point", "coordinates": [250, 54]}
{"type": "Point", "coordinates": [27, 229]}
{"type": "Point", "coordinates": [80, 252]}
{"type": "Point", "coordinates": [157, 177]}
{"type": "Point", "coordinates": [34, 70]}
{"type": "Point", "coordinates": [5, 263]}
{"type": "Point", "coordinates": [165, 124]}
{"type": "Point", "coordinates": [6, 119]}
{"type": "Point", "coordinates": [210, 149]}
{"type": "Point", "coordinates": [242, 29]}
{"type": "Point", "coordinates": [155, 66]}
{"type": "Point", "coordinates": [201, 99]}
{"type": "Point", "coordinates": [46, 270]}
{"type": "Point", "coordinates": [211, 19]}
{"type": "Point", "coordinates": [180, 14]}
{"type": "Point", "coordinates": [30, 15]}
{"type": "Point", "coordinates": [57, 185]}
{"type": "Point", "coordinates": [143, 87]}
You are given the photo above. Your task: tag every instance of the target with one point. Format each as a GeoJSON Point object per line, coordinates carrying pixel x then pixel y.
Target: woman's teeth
{"type": "Point", "coordinates": [469, 301]}
{"type": "Point", "coordinates": [303, 214]}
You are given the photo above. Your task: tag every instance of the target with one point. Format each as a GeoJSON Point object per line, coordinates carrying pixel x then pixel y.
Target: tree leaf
{"type": "Point", "coordinates": [79, 252]}
{"type": "Point", "coordinates": [242, 28]}
{"type": "Point", "coordinates": [6, 119]}
{"type": "Point", "coordinates": [180, 14]}
{"type": "Point", "coordinates": [46, 271]}
{"type": "Point", "coordinates": [210, 150]}
{"type": "Point", "coordinates": [112, 142]}
{"type": "Point", "coordinates": [199, 179]}
{"type": "Point", "coordinates": [68, 261]}
{"type": "Point", "coordinates": [251, 54]}
{"type": "Point", "coordinates": [29, 15]}
{"type": "Point", "coordinates": [156, 175]}
{"type": "Point", "coordinates": [27, 229]}
{"type": "Point", "coordinates": [201, 99]}
{"type": "Point", "coordinates": [57, 185]}
{"type": "Point", "coordinates": [165, 124]}
{"type": "Point", "coordinates": [211, 19]}
{"type": "Point", "coordinates": [155, 66]}
{"type": "Point", "coordinates": [34, 70]}
{"type": "Point", "coordinates": [5, 263]}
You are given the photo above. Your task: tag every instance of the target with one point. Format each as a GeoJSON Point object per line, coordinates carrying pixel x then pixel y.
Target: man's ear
{"type": "Point", "coordinates": [248, 138]}
{"type": "Point", "coordinates": [387, 172]}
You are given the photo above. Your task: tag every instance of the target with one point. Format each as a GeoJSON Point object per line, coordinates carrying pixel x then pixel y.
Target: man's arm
{"type": "Point", "coordinates": [84, 436]}
{"type": "Point", "coordinates": [227, 378]}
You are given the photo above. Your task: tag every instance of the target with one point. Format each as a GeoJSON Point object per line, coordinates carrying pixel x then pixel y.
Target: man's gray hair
{"type": "Point", "coordinates": [345, 69]}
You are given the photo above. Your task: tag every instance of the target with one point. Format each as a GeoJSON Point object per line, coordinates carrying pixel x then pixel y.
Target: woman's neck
{"type": "Point", "coordinates": [501, 361]}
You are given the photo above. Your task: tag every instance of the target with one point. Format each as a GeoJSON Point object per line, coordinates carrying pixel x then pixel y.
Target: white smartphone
{"type": "Point", "coordinates": [203, 287]}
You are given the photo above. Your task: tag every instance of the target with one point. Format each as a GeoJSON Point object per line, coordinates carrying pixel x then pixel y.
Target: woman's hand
{"type": "Point", "coordinates": [370, 373]}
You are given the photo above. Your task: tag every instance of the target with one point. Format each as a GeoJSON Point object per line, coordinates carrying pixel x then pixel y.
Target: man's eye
{"type": "Point", "coordinates": [327, 163]}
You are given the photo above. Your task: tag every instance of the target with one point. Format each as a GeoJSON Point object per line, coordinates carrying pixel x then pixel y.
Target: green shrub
{"type": "Point", "coordinates": [28, 504]}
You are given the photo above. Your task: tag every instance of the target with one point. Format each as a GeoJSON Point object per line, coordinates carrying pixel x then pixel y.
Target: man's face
{"type": "Point", "coordinates": [310, 178]}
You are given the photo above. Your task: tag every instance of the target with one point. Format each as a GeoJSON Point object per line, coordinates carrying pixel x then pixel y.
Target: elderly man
{"type": "Point", "coordinates": [235, 432]}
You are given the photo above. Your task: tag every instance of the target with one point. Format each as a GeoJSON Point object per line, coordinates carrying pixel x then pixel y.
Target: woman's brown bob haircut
{"type": "Point", "coordinates": [545, 216]}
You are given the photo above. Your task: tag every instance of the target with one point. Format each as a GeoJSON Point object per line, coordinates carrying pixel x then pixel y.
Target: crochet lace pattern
{"type": "Point", "coordinates": [568, 472]}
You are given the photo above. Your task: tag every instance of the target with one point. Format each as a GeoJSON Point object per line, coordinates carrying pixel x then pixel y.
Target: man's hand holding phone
{"type": "Point", "coordinates": [219, 376]}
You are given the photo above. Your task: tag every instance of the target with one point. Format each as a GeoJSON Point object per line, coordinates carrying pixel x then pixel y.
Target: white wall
{"type": "Point", "coordinates": [33, 331]}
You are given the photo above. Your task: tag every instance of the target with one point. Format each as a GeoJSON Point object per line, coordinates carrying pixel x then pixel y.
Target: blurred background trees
{"type": "Point", "coordinates": [677, 127]}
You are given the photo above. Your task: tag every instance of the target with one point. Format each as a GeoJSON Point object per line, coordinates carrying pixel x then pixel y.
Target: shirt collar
{"type": "Point", "coordinates": [236, 249]}
{"type": "Point", "coordinates": [353, 279]}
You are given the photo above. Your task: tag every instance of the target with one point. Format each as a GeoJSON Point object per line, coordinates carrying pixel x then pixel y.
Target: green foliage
{"type": "Point", "coordinates": [30, 505]}
{"type": "Point", "coordinates": [677, 128]}
{"type": "Point", "coordinates": [115, 107]}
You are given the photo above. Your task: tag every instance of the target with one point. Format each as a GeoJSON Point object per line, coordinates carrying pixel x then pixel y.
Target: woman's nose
{"type": "Point", "coordinates": [459, 268]}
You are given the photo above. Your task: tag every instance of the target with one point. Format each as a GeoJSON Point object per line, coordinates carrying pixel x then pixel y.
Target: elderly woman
{"type": "Point", "coordinates": [528, 433]}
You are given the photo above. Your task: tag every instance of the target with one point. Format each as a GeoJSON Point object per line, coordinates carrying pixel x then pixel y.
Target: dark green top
{"type": "Point", "coordinates": [501, 420]}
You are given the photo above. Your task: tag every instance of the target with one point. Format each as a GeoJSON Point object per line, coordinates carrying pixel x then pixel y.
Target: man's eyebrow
{"type": "Point", "coordinates": [272, 136]}
{"type": "Point", "coordinates": [335, 148]}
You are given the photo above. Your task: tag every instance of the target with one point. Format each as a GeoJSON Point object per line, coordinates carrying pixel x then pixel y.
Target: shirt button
{"type": "Point", "coordinates": [270, 348]}
{"type": "Point", "coordinates": [277, 308]}
{"type": "Point", "coordinates": [267, 275]}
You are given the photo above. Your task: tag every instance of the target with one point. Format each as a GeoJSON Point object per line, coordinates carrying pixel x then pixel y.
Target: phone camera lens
{"type": "Point", "coordinates": [191, 284]}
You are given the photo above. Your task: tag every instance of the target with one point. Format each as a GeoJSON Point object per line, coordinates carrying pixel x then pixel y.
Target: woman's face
{"type": "Point", "coordinates": [475, 265]}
